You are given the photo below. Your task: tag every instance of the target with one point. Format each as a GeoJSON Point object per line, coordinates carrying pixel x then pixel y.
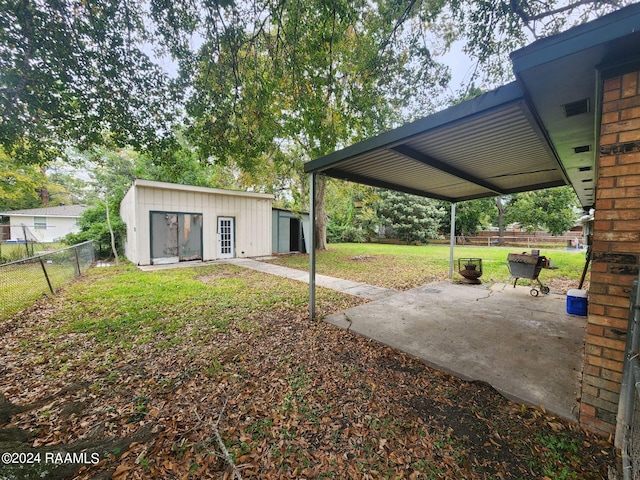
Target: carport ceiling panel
{"type": "Point", "coordinates": [387, 168]}
{"type": "Point", "coordinates": [491, 151]}
{"type": "Point", "coordinates": [503, 143]}
{"type": "Point", "coordinates": [573, 81]}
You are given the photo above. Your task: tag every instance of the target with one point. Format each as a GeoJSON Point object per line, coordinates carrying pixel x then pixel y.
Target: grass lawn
{"type": "Point", "coordinates": [403, 267]}
{"type": "Point", "coordinates": [22, 284]}
{"type": "Point", "coordinates": [145, 370]}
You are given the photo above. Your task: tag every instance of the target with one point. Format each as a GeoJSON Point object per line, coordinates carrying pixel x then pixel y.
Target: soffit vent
{"type": "Point", "coordinates": [582, 149]}
{"type": "Point", "coordinates": [576, 108]}
{"type": "Point", "coordinates": [584, 169]}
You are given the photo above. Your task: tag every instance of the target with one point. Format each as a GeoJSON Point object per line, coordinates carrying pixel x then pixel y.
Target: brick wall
{"type": "Point", "coordinates": [616, 251]}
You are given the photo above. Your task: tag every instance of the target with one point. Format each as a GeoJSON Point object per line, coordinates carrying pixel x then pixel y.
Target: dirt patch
{"type": "Point", "coordinates": [362, 258]}
{"type": "Point", "coordinates": [223, 275]}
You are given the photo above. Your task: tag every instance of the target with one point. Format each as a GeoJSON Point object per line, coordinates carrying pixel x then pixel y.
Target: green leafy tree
{"type": "Point", "coordinates": [93, 226]}
{"type": "Point", "coordinates": [292, 81]}
{"type": "Point", "coordinates": [112, 173]}
{"type": "Point", "coordinates": [350, 208]}
{"type": "Point", "coordinates": [471, 216]}
{"type": "Point", "coordinates": [29, 186]}
{"type": "Point", "coordinates": [72, 70]}
{"type": "Point", "coordinates": [413, 219]}
{"type": "Point", "coordinates": [552, 209]}
{"type": "Point", "coordinates": [19, 186]}
{"type": "Point", "coordinates": [491, 29]}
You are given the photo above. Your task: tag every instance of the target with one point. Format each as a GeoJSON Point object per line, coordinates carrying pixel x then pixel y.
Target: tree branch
{"type": "Point", "coordinates": [225, 453]}
{"type": "Point", "coordinates": [565, 8]}
{"type": "Point", "coordinates": [27, 26]}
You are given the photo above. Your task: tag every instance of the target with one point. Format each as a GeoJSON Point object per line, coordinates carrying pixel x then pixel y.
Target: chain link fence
{"type": "Point", "coordinates": [27, 246]}
{"type": "Point", "coordinates": [628, 428]}
{"type": "Point", "coordinates": [22, 282]}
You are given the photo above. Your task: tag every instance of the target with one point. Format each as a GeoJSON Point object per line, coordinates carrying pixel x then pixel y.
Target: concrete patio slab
{"type": "Point", "coordinates": [528, 348]}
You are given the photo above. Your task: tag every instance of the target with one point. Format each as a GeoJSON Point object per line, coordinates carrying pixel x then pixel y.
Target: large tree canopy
{"type": "Point", "coordinates": [292, 81]}
{"type": "Point", "coordinates": [71, 71]}
{"type": "Point", "coordinates": [554, 209]}
{"type": "Point", "coordinates": [259, 85]}
{"type": "Point", "coordinates": [491, 29]}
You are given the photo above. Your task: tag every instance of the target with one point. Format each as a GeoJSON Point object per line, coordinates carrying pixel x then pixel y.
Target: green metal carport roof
{"type": "Point", "coordinates": [540, 131]}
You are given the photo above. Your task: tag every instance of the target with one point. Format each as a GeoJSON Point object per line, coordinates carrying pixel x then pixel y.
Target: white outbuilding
{"type": "Point", "coordinates": [169, 223]}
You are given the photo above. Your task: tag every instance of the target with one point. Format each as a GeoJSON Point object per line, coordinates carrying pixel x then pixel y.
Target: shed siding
{"type": "Point", "coordinates": [128, 214]}
{"type": "Point", "coordinates": [252, 215]}
{"type": "Point", "coordinates": [616, 251]}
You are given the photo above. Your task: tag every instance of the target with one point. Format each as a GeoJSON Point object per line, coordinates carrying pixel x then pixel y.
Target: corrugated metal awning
{"type": "Point", "coordinates": [540, 131]}
{"type": "Point", "coordinates": [488, 146]}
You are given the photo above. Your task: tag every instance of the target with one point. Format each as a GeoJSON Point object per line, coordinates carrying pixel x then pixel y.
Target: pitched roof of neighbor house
{"type": "Point", "coordinates": [72, 211]}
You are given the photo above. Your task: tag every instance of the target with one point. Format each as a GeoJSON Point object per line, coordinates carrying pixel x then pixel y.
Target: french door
{"type": "Point", "coordinates": [226, 237]}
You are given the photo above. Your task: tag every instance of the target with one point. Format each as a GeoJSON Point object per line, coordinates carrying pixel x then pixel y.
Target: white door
{"type": "Point", "coordinates": [226, 240]}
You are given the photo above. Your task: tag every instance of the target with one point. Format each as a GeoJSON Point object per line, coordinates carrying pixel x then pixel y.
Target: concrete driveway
{"type": "Point", "coordinates": [528, 348]}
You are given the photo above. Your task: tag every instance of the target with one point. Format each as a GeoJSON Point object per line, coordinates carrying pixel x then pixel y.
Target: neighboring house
{"type": "Point", "coordinates": [48, 224]}
{"type": "Point", "coordinates": [169, 223]}
{"type": "Point", "coordinates": [289, 231]}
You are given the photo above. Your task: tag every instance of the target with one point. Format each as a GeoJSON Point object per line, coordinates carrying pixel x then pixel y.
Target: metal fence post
{"type": "Point", "coordinates": [312, 250]}
{"type": "Point", "coordinates": [77, 264]}
{"type": "Point", "coordinates": [46, 275]}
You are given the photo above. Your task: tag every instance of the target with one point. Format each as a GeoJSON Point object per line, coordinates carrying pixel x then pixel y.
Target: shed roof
{"type": "Point", "coordinates": [537, 132]}
{"type": "Point", "coordinates": [192, 188]}
{"type": "Point", "coordinates": [71, 211]}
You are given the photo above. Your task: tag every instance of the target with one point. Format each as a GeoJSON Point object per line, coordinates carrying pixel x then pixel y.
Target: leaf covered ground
{"type": "Point", "coordinates": [148, 369]}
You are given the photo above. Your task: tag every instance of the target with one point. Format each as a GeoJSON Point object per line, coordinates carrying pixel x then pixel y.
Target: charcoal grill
{"type": "Point", "coordinates": [528, 266]}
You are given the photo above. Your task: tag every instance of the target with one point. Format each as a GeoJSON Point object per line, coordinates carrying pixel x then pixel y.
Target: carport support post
{"type": "Point", "coordinates": [452, 239]}
{"type": "Point", "coordinates": [312, 246]}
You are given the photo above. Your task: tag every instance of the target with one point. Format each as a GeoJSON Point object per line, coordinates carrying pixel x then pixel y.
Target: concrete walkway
{"type": "Point", "coordinates": [345, 286]}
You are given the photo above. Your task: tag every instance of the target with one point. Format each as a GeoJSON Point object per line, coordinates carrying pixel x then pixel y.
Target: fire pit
{"type": "Point", "coordinates": [471, 270]}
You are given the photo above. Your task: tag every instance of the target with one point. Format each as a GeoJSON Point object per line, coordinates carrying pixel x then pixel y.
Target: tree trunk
{"type": "Point", "coordinates": [44, 191]}
{"type": "Point", "coordinates": [113, 237]}
{"type": "Point", "coordinates": [321, 214]}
